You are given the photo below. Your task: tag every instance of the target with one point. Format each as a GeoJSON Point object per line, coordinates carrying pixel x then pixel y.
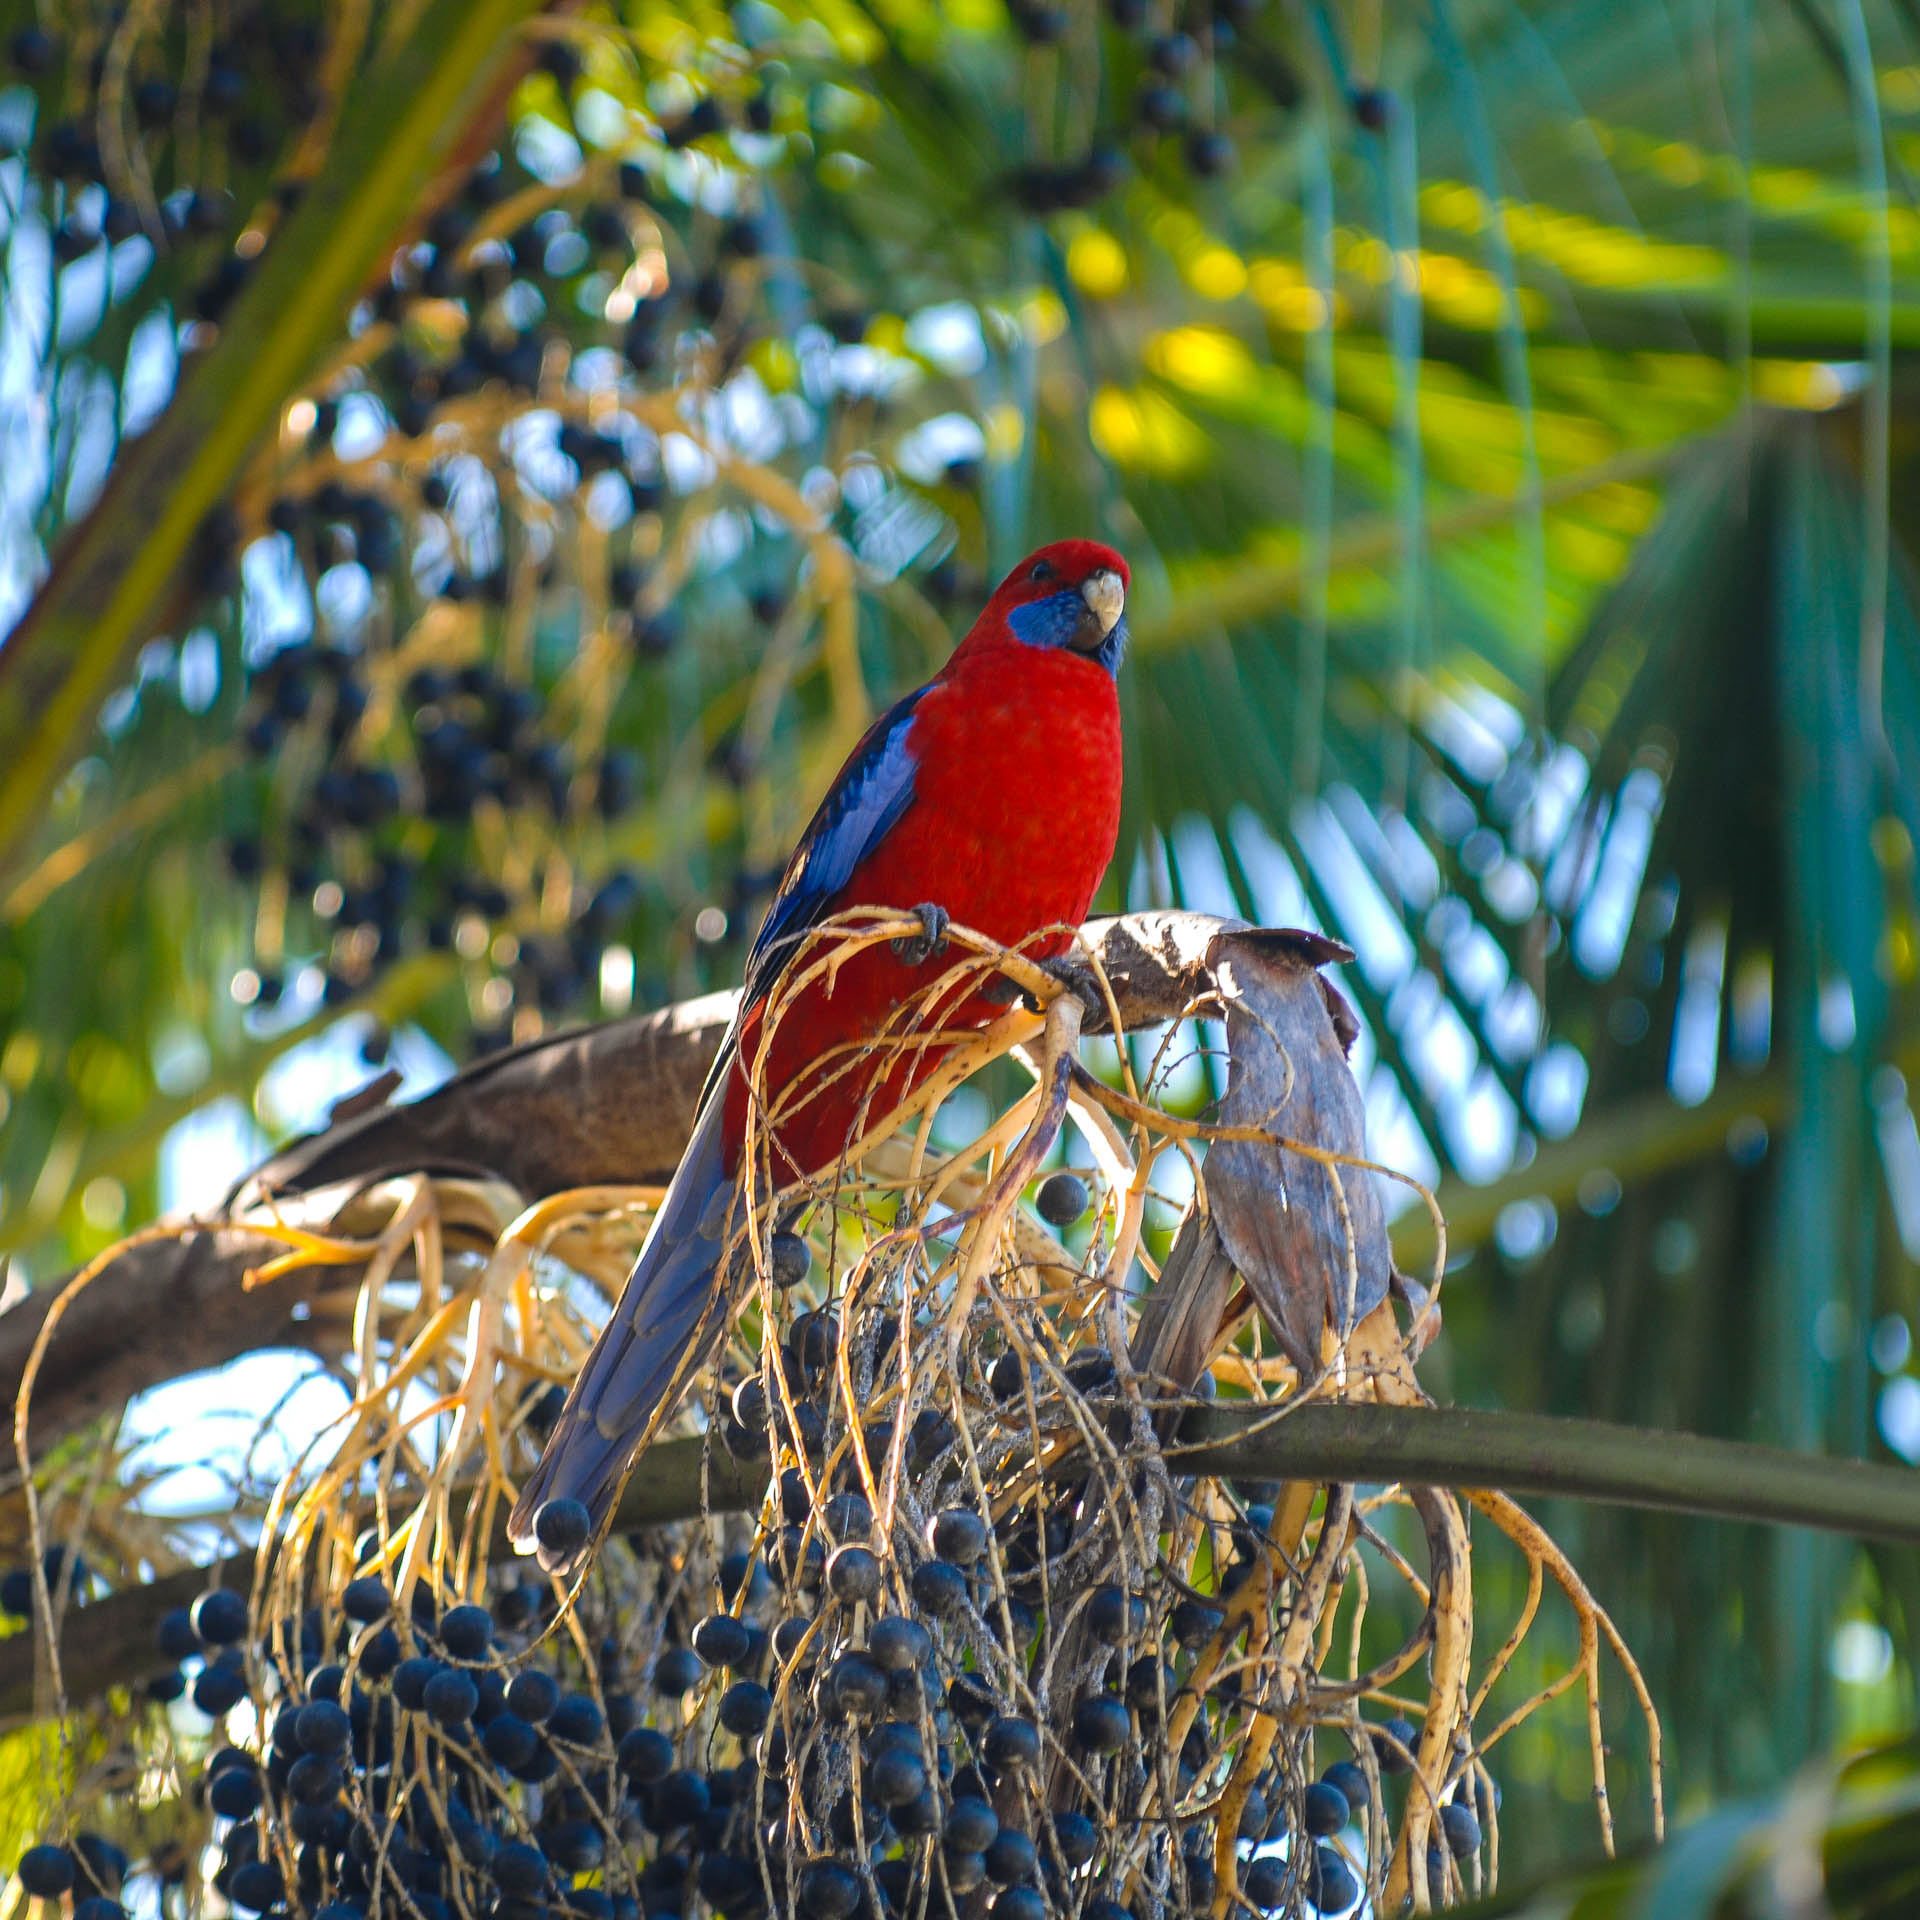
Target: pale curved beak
{"type": "Point", "coordinates": [1106, 598]}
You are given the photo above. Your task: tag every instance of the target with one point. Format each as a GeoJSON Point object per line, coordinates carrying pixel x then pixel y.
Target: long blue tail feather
{"type": "Point", "coordinates": [670, 1314]}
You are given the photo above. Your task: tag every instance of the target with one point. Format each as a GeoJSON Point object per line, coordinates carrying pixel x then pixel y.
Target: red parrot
{"type": "Point", "coordinates": [990, 796]}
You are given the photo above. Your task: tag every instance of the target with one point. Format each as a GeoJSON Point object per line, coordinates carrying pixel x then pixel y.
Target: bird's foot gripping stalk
{"type": "Point", "coordinates": [916, 948]}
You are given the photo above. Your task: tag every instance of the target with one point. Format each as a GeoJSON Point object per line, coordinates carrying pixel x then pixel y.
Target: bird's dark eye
{"type": "Point", "coordinates": [1040, 570]}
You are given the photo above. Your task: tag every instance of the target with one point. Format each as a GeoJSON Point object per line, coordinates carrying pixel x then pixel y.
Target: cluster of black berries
{"type": "Point", "coordinates": [257, 83]}
{"type": "Point", "coordinates": [1169, 64]}
{"type": "Point", "coordinates": [419, 1760]}
{"type": "Point", "coordinates": [372, 760]}
{"type": "Point", "coordinates": [17, 1584]}
{"type": "Point", "coordinates": [838, 1711]}
{"type": "Point", "coordinates": [882, 1679]}
{"type": "Point", "coordinates": [456, 738]}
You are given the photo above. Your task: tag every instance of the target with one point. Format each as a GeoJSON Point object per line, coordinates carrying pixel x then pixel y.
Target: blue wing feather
{"type": "Point", "coordinates": [874, 789]}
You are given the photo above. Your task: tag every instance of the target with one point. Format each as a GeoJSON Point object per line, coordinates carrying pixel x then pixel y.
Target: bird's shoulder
{"type": "Point", "coordinates": [867, 798]}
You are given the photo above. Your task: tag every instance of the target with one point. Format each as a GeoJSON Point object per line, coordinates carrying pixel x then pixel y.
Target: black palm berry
{"type": "Point", "coordinates": [721, 1641]}
{"type": "Point", "coordinates": [1330, 1886]}
{"type": "Point", "coordinates": [899, 1645]}
{"type": "Point", "coordinates": [1326, 1809]}
{"type": "Point", "coordinates": [1039, 23]}
{"type": "Point", "coordinates": [520, 1870]}
{"type": "Point", "coordinates": [829, 1889]}
{"type": "Point", "coordinates": [750, 1406]}
{"type": "Point", "coordinates": [1011, 1744]}
{"type": "Point", "coordinates": [972, 1702]}
{"type": "Point", "coordinates": [965, 1871]}
{"type": "Point", "coordinates": [1264, 1882]}
{"type": "Point", "coordinates": [219, 1690]}
{"type": "Point", "coordinates": [853, 1686]}
{"type": "Point", "coordinates": [896, 1776]}
{"type": "Point", "coordinates": [322, 1726]}
{"type": "Point", "coordinates": [220, 1617]}
{"type": "Point", "coordinates": [796, 1501]}
{"type": "Point", "coordinates": [958, 1535]}
{"type": "Point", "coordinates": [574, 1846]}
{"type": "Point", "coordinates": [853, 1574]}
{"type": "Point", "coordinates": [696, 123]}
{"type": "Point", "coordinates": [175, 1635]}
{"type": "Point", "coordinates": [1460, 1829]}
{"type": "Point", "coordinates": [1148, 1681]}
{"type": "Point", "coordinates": [379, 1653]}
{"type": "Point", "coordinates": [509, 1741]}
{"type": "Point", "coordinates": [46, 1871]}
{"type": "Point", "coordinates": [939, 1588]}
{"type": "Point", "coordinates": [789, 1259]}
{"type": "Point", "coordinates": [745, 1708]}
{"type": "Point", "coordinates": [1173, 53]}
{"type": "Point", "coordinates": [931, 1436]}
{"type": "Point", "coordinates": [1063, 1198]}
{"type": "Point", "coordinates": [1113, 1614]}
{"type": "Point", "coordinates": [410, 1679]}
{"type": "Point", "coordinates": [1394, 1742]}
{"type": "Point", "coordinates": [33, 51]}
{"type": "Point", "coordinates": [1079, 1838]}
{"type": "Point", "coordinates": [576, 1720]}
{"type": "Point", "coordinates": [102, 1864]}
{"type": "Point", "coordinates": [1194, 1623]}
{"type": "Point", "coordinates": [257, 1884]}
{"type": "Point", "coordinates": [816, 1340]}
{"type": "Point", "coordinates": [153, 101]}
{"type": "Point", "coordinates": [1101, 1724]}
{"type": "Point", "coordinates": [515, 1608]}
{"type": "Point", "coordinates": [1253, 1815]}
{"type": "Point", "coordinates": [450, 1697]}
{"type": "Point", "coordinates": [1018, 1903]}
{"type": "Point", "coordinates": [1007, 1377]}
{"type": "Point", "coordinates": [656, 636]}
{"type": "Point", "coordinates": [97, 1906]}
{"type": "Point", "coordinates": [1369, 107]}
{"type": "Point", "coordinates": [315, 1780]}
{"type": "Point", "coordinates": [848, 1516]}
{"type": "Point", "coordinates": [788, 1636]}
{"type": "Point", "coordinates": [676, 1670]}
{"type": "Point", "coordinates": [1209, 154]}
{"type": "Point", "coordinates": [466, 1632]}
{"type": "Point", "coordinates": [1162, 107]}
{"type": "Point", "coordinates": [682, 1797]}
{"type": "Point", "coordinates": [234, 1794]}
{"type": "Point", "coordinates": [532, 1694]}
{"type": "Point", "coordinates": [562, 1527]}
{"type": "Point", "coordinates": [971, 1825]}
{"type": "Point", "coordinates": [645, 1755]}
{"type": "Point", "coordinates": [623, 1714]}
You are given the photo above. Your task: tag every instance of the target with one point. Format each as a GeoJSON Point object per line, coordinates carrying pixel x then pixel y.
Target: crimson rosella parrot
{"type": "Point", "coordinates": [990, 796]}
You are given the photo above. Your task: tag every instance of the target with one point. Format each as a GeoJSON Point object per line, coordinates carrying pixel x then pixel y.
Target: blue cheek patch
{"type": "Point", "coordinates": [1051, 622]}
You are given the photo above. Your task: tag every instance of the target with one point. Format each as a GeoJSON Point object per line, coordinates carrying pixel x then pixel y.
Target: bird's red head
{"type": "Point", "coordinates": [1071, 595]}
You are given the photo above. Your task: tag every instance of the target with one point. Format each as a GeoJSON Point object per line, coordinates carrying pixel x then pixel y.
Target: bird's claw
{"type": "Point", "coordinates": [1079, 980]}
{"type": "Point", "coordinates": [1068, 969]}
{"type": "Point", "coordinates": [915, 948]}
